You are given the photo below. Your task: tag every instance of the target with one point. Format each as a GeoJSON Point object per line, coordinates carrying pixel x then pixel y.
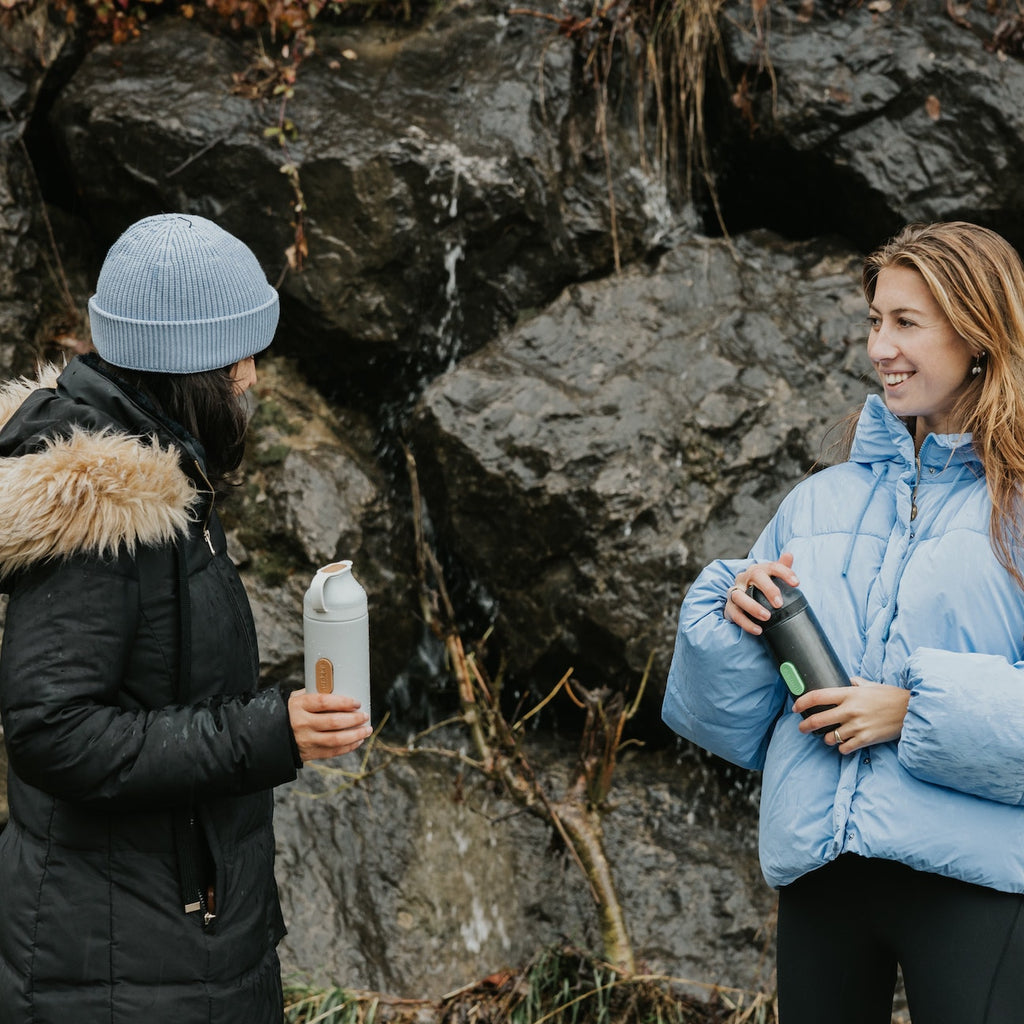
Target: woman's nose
{"type": "Point", "coordinates": [881, 346]}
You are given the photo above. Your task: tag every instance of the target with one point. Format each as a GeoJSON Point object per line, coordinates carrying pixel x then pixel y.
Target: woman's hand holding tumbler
{"type": "Point", "coordinates": [326, 724]}
{"type": "Point", "coordinates": [745, 610]}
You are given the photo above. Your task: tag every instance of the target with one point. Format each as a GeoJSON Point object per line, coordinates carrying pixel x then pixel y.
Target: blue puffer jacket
{"type": "Point", "coordinates": [916, 600]}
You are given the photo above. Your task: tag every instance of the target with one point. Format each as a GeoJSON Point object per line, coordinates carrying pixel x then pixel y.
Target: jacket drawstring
{"type": "Point", "coordinates": [878, 479]}
{"type": "Point", "coordinates": [856, 532]}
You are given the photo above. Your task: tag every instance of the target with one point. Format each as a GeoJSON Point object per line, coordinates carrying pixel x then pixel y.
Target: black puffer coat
{"type": "Point", "coordinates": [142, 753]}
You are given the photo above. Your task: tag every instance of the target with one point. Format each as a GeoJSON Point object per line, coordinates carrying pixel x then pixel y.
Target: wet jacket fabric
{"type": "Point", "coordinates": [893, 555]}
{"type": "Point", "coordinates": [130, 702]}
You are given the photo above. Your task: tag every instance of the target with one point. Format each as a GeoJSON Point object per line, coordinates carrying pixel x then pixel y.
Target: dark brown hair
{"type": "Point", "coordinates": [205, 404]}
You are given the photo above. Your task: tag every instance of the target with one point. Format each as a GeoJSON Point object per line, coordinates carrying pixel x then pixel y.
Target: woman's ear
{"type": "Point", "coordinates": [243, 374]}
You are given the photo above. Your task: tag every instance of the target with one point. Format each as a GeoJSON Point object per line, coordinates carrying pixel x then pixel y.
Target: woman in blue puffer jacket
{"type": "Point", "coordinates": [897, 838]}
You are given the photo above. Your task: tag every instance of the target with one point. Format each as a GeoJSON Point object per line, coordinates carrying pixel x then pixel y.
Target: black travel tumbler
{"type": "Point", "coordinates": [805, 658]}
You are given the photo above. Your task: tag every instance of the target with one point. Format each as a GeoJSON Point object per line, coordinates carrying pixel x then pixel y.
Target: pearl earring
{"type": "Point", "coordinates": [976, 368]}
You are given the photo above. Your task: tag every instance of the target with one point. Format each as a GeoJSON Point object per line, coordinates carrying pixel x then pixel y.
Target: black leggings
{"type": "Point", "coordinates": [844, 928]}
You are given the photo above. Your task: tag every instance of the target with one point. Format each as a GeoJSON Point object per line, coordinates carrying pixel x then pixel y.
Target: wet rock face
{"type": "Point", "coordinates": [444, 190]}
{"type": "Point", "coordinates": [589, 440]}
{"type": "Point", "coordinates": [313, 493]}
{"type": "Point", "coordinates": [872, 116]}
{"type": "Point", "coordinates": [416, 883]}
{"type": "Point", "coordinates": [587, 464]}
{"type": "Point", "coordinates": [30, 302]}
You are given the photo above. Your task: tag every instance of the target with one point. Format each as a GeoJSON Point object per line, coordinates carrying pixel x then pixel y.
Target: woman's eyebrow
{"type": "Point", "coordinates": [898, 311]}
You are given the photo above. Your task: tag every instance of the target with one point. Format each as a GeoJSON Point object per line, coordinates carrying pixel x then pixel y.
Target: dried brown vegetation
{"type": "Point", "coordinates": [561, 985]}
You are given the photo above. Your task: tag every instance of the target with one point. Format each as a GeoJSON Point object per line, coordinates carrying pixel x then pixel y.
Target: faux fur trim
{"type": "Point", "coordinates": [14, 392]}
{"type": "Point", "coordinates": [88, 494]}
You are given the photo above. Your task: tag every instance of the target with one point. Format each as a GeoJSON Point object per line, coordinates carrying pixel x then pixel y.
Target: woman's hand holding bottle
{"type": "Point", "coordinates": [326, 724]}
{"type": "Point", "coordinates": [742, 609]}
{"type": "Point", "coordinates": [862, 714]}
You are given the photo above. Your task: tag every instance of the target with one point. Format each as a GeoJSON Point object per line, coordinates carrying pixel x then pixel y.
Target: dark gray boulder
{"type": "Point", "coordinates": [314, 493]}
{"type": "Point", "coordinates": [450, 177]}
{"type": "Point", "coordinates": [861, 117]}
{"type": "Point", "coordinates": [414, 883]}
{"type": "Point", "coordinates": [34, 301]}
{"type": "Point", "coordinates": [586, 465]}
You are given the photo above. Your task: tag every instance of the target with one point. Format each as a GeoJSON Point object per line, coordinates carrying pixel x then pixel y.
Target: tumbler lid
{"type": "Point", "coordinates": [793, 603]}
{"type": "Point", "coordinates": [335, 594]}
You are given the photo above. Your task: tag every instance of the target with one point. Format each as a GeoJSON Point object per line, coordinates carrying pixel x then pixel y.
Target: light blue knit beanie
{"type": "Point", "coordinates": [178, 294]}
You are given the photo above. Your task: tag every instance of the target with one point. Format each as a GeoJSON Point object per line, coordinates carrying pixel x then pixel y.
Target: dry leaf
{"type": "Point", "coordinates": [934, 107]}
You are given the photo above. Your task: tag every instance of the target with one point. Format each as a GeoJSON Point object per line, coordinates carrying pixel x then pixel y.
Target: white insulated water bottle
{"type": "Point", "coordinates": [336, 634]}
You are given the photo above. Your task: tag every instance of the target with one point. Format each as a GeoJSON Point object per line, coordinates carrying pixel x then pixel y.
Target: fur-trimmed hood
{"type": "Point", "coordinates": [83, 490]}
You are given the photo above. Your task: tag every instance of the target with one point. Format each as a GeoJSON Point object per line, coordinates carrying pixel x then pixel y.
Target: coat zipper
{"type": "Point", "coordinates": [209, 510]}
{"type": "Point", "coordinates": [198, 896]}
{"type": "Point", "coordinates": [913, 493]}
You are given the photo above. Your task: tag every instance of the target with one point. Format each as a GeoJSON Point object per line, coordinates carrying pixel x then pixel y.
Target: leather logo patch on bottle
{"type": "Point", "coordinates": [324, 676]}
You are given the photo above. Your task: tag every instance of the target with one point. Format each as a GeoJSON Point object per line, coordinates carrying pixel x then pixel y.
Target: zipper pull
{"type": "Point", "coordinates": [209, 511]}
{"type": "Point", "coordinates": [210, 907]}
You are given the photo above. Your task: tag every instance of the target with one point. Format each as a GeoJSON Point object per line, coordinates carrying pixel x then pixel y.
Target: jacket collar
{"type": "Point", "coordinates": [89, 386]}
{"type": "Point", "coordinates": [883, 437]}
{"type": "Point", "coordinates": [82, 474]}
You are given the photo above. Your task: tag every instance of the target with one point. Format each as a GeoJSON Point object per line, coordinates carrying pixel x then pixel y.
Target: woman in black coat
{"type": "Point", "coordinates": [137, 868]}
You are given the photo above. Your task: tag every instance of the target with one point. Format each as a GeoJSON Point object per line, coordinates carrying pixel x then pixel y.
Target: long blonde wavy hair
{"type": "Point", "coordinates": [977, 278]}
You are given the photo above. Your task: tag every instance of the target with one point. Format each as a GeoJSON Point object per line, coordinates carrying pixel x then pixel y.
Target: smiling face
{"type": "Point", "coordinates": [924, 365]}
